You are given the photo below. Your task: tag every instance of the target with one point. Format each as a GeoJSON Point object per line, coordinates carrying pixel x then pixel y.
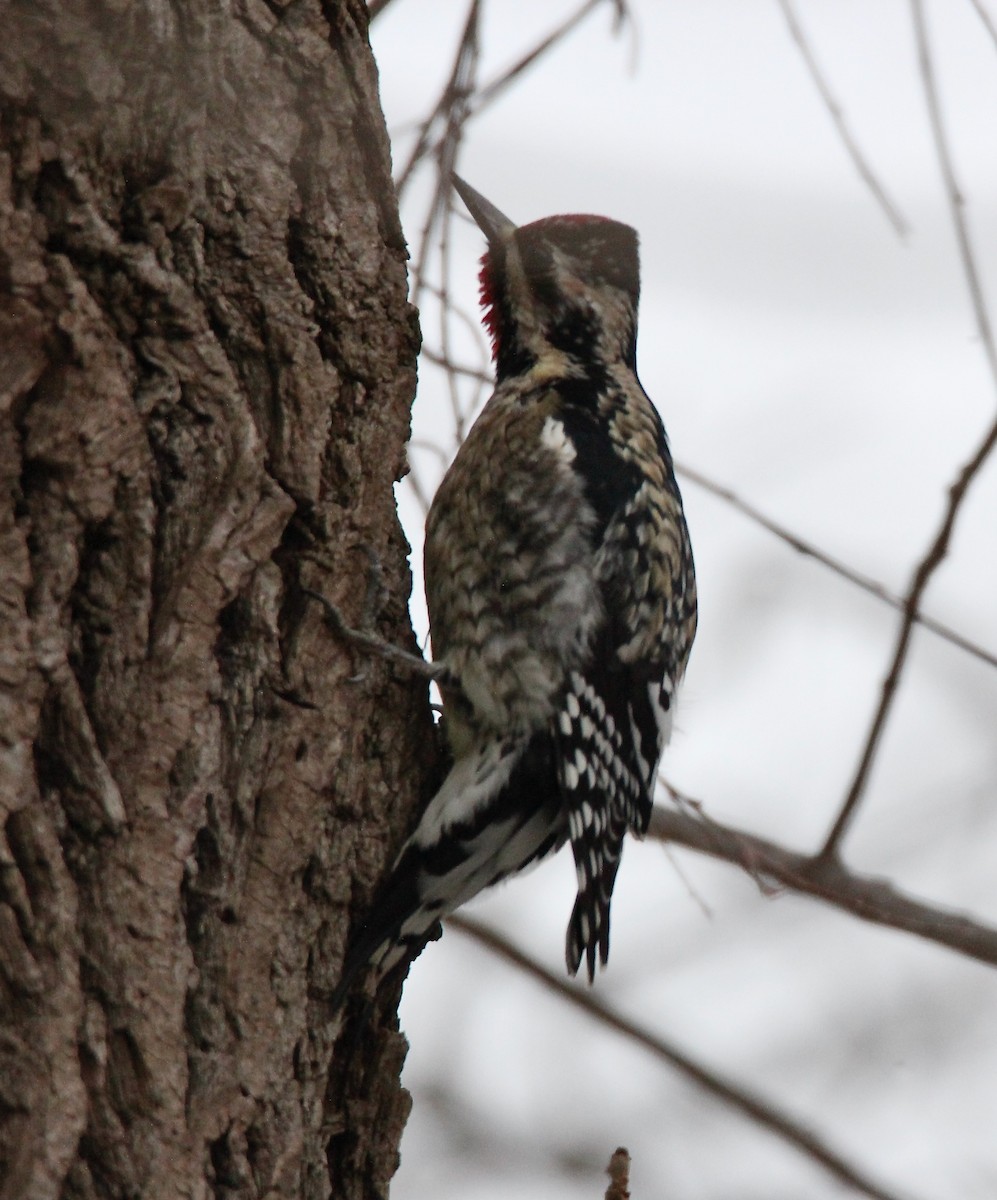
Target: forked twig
{"type": "Point", "coordinates": [959, 489]}
{"type": "Point", "coordinates": [493, 90]}
{"type": "Point", "coordinates": [826, 879]}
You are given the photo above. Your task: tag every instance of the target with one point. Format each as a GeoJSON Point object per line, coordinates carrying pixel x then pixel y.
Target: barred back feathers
{"type": "Point", "coordinates": [561, 594]}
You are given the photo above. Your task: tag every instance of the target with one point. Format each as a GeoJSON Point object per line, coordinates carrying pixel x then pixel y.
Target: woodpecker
{"type": "Point", "coordinates": [561, 595]}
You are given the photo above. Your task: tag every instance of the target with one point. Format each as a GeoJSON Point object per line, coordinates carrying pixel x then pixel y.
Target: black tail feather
{"type": "Point", "coordinates": [377, 940]}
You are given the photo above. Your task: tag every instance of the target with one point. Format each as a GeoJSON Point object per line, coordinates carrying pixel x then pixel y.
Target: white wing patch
{"type": "Point", "coordinates": [472, 783]}
{"type": "Point", "coordinates": [555, 438]}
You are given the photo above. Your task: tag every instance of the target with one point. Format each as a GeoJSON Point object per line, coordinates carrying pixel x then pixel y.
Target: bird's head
{"type": "Point", "coordinates": [566, 285]}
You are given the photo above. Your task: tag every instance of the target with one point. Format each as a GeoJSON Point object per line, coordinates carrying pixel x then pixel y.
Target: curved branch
{"type": "Point", "coordinates": [957, 492]}
{"type": "Point", "coordinates": [874, 900]}
{"type": "Point", "coordinates": [738, 1097]}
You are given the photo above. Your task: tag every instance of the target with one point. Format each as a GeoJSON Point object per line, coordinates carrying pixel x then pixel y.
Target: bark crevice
{"type": "Point", "coordinates": [207, 359]}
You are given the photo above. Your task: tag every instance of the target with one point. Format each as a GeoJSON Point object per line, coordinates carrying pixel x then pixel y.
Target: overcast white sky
{"type": "Point", "coordinates": [803, 354]}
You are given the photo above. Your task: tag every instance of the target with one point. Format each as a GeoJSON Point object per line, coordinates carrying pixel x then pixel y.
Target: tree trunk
{"type": "Point", "coordinates": [206, 365]}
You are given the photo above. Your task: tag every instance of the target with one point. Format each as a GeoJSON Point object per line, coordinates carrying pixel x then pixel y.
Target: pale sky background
{"type": "Point", "coordinates": [830, 373]}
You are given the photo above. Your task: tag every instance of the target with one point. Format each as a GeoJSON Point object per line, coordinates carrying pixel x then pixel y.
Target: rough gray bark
{"type": "Point", "coordinates": [206, 365]}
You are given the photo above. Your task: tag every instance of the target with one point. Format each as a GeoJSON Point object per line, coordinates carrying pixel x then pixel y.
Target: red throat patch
{"type": "Point", "coordinates": [489, 300]}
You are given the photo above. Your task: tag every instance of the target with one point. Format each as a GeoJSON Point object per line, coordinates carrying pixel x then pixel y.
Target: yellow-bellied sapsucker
{"type": "Point", "coordinates": [561, 593]}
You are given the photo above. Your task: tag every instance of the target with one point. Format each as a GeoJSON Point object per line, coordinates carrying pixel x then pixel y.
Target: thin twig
{"type": "Point", "coordinates": [959, 489]}
{"type": "Point", "coordinates": [764, 1114]}
{"type": "Point", "coordinates": [809, 550]}
{"type": "Point", "coordinates": [459, 100]}
{"type": "Point", "coordinates": [422, 497]}
{"type": "Point", "coordinates": [952, 190]}
{"type": "Point", "coordinates": [492, 90]}
{"type": "Point", "coordinates": [456, 92]}
{"type": "Point", "coordinates": [453, 109]}
{"type": "Point", "coordinates": [432, 448]}
{"type": "Point", "coordinates": [481, 98]}
{"type": "Point", "coordinates": [446, 350]}
{"type": "Point", "coordinates": [874, 900]}
{"type": "Point", "coordinates": [469, 320]}
{"type": "Point", "coordinates": [478, 374]}
{"type": "Point", "coordinates": [893, 214]}
{"type": "Point", "coordinates": [986, 18]}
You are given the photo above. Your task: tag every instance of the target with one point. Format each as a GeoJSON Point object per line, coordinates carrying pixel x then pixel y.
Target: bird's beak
{"type": "Point", "coordinates": [492, 223]}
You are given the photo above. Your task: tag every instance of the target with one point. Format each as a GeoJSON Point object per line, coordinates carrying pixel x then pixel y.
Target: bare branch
{"type": "Point", "coordinates": [451, 108]}
{"type": "Point", "coordinates": [445, 309]}
{"type": "Point", "coordinates": [476, 373]}
{"type": "Point", "coordinates": [957, 492]}
{"type": "Point", "coordinates": [874, 900]}
{"type": "Point", "coordinates": [751, 1105]}
{"type": "Point", "coordinates": [422, 497]}
{"type": "Point", "coordinates": [479, 99]}
{"type": "Point", "coordinates": [952, 190]}
{"type": "Point", "coordinates": [432, 448]}
{"type": "Point", "coordinates": [498, 85]}
{"type": "Point", "coordinates": [809, 550]}
{"type": "Point", "coordinates": [893, 214]}
{"type": "Point", "coordinates": [986, 18]}
{"type": "Point", "coordinates": [460, 99]}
